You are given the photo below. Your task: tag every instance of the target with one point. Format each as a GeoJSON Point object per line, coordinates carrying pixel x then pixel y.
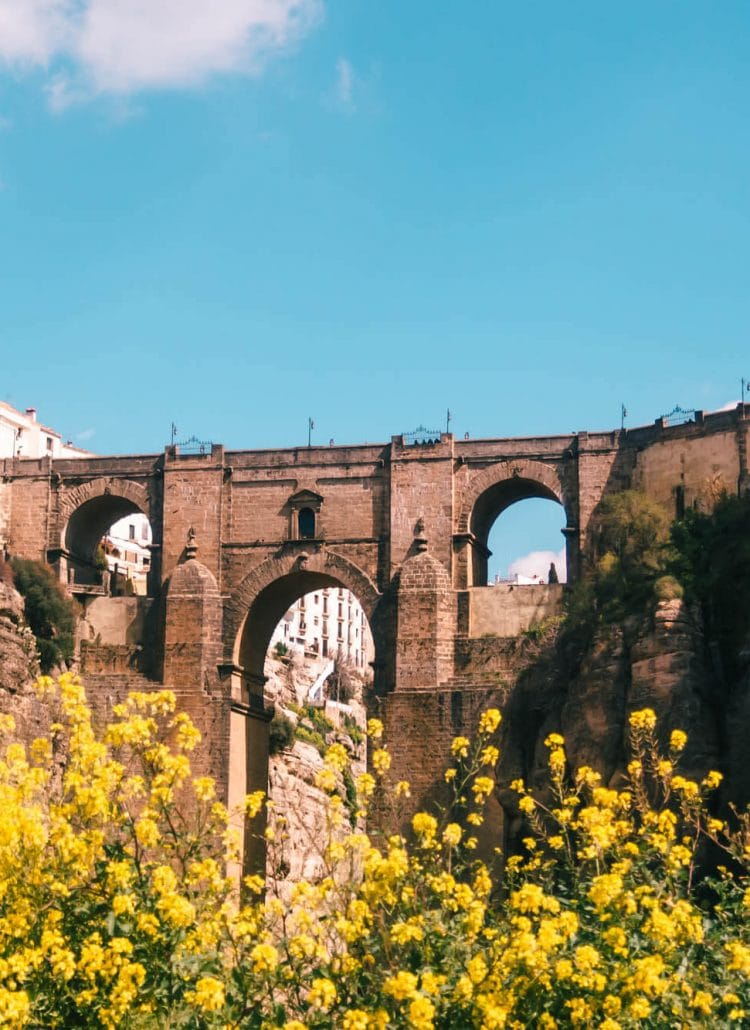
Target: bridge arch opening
{"type": "Point", "coordinates": [312, 614]}
{"type": "Point", "coordinates": [107, 547]}
{"type": "Point", "coordinates": [304, 652]}
{"type": "Point", "coordinates": [516, 524]}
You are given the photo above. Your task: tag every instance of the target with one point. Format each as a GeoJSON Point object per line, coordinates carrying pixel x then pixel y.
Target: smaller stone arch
{"type": "Point", "coordinates": [71, 500]}
{"type": "Point", "coordinates": [85, 513]}
{"type": "Point", "coordinates": [536, 472]}
{"type": "Point", "coordinates": [488, 493]}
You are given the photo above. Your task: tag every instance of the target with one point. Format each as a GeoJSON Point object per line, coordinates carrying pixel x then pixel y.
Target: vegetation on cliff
{"type": "Point", "coordinates": [48, 611]}
{"type": "Point", "coordinates": [712, 561]}
{"type": "Point", "coordinates": [636, 558]}
{"type": "Point", "coordinates": [116, 909]}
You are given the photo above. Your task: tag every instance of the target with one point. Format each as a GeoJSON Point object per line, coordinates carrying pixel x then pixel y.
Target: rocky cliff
{"type": "Point", "coordinates": [19, 668]}
{"type": "Point", "coordinates": [299, 807]}
{"type": "Point", "coordinates": [660, 662]}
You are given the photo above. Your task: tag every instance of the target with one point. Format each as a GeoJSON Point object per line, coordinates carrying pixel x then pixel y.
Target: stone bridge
{"type": "Point", "coordinates": [403, 525]}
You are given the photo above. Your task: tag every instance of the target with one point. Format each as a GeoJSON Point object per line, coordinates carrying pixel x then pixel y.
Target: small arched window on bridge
{"type": "Point", "coordinates": [306, 524]}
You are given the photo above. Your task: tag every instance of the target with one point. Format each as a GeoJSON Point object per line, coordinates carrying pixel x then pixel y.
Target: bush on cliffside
{"type": "Point", "coordinates": [280, 733]}
{"type": "Point", "coordinates": [116, 910]}
{"type": "Point", "coordinates": [629, 554]}
{"type": "Point", "coordinates": [49, 613]}
{"type": "Point", "coordinates": [712, 561]}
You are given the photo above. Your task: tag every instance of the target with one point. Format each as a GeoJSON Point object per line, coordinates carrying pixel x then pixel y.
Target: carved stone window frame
{"type": "Point", "coordinates": [296, 503]}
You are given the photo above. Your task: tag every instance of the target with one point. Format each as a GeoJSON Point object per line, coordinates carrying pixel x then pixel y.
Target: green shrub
{"type": "Point", "coordinates": [281, 733]}
{"type": "Point", "coordinates": [356, 733]}
{"type": "Point", "coordinates": [304, 733]}
{"type": "Point", "coordinates": [667, 588]}
{"type": "Point", "coordinates": [49, 612]}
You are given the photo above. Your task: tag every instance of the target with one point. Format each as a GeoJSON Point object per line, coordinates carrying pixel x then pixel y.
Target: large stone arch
{"type": "Point", "coordinates": [267, 591]}
{"type": "Point", "coordinates": [489, 492]}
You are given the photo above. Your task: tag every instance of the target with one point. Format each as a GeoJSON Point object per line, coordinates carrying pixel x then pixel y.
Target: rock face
{"type": "Point", "coordinates": [659, 663]}
{"type": "Point", "coordinates": [299, 808]}
{"type": "Point", "coordinates": [19, 668]}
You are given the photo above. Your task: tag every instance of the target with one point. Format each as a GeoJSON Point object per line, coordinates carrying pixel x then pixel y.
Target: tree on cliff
{"type": "Point", "coordinates": [49, 612]}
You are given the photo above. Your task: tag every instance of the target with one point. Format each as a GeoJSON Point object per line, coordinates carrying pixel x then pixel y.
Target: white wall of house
{"type": "Point", "coordinates": [329, 623]}
{"type": "Point", "coordinates": [21, 436]}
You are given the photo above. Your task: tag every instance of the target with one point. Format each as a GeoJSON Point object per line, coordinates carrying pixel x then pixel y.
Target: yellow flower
{"type": "Point", "coordinates": [421, 1011]}
{"type": "Point", "coordinates": [254, 803]}
{"type": "Point", "coordinates": [460, 747]}
{"type": "Point", "coordinates": [374, 729]}
{"type": "Point", "coordinates": [325, 779]}
{"type": "Point", "coordinates": [452, 834]}
{"type": "Point", "coordinates": [489, 756]}
{"type": "Point", "coordinates": [322, 993]}
{"type": "Point", "coordinates": [424, 825]}
{"type": "Point", "coordinates": [336, 757]}
{"type": "Point", "coordinates": [489, 721]}
{"type": "Point", "coordinates": [645, 719]}
{"type": "Point", "coordinates": [208, 994]}
{"type": "Point", "coordinates": [355, 1019]}
{"type": "Point", "coordinates": [482, 787]}
{"type": "Point", "coordinates": [365, 785]}
{"type": "Point", "coordinates": [264, 958]}
{"type": "Point", "coordinates": [381, 761]}
{"type": "Point", "coordinates": [401, 986]}
{"type": "Point", "coordinates": [677, 740]}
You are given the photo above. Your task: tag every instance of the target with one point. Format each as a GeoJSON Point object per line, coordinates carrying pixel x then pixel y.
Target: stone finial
{"type": "Point", "coordinates": [191, 548]}
{"type": "Point", "coordinates": [420, 540]}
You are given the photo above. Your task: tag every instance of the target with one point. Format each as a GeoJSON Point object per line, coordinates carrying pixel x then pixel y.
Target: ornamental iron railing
{"type": "Point", "coordinates": [420, 436]}
{"type": "Point", "coordinates": [678, 415]}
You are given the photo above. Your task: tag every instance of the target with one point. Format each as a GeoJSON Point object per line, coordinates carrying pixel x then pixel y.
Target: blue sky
{"type": "Point", "coordinates": [370, 212]}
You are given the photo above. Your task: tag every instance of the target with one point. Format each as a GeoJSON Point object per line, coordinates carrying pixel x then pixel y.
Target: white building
{"type": "Point", "coordinates": [329, 623]}
{"type": "Point", "coordinates": [127, 549]}
{"type": "Point", "coordinates": [21, 436]}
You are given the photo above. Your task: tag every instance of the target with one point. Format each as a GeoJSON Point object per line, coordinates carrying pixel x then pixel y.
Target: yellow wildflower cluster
{"type": "Point", "coordinates": [116, 911]}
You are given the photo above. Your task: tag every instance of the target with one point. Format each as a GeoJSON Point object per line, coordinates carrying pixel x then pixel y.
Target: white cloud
{"type": "Point", "coordinates": [345, 83]}
{"type": "Point", "coordinates": [122, 47]}
{"type": "Point", "coordinates": [537, 563]}
{"type": "Point", "coordinates": [85, 434]}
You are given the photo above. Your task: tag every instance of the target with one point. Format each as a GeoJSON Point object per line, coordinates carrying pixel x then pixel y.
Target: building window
{"type": "Point", "coordinates": [306, 523]}
{"type": "Point", "coordinates": [49, 444]}
{"type": "Point", "coordinates": [341, 631]}
{"type": "Point", "coordinates": [131, 532]}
